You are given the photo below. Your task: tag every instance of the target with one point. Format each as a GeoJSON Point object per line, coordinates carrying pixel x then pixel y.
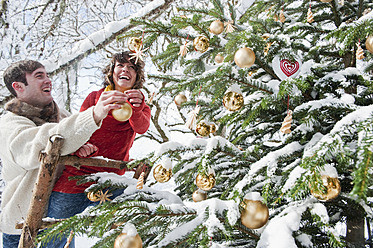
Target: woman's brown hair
{"type": "Point", "coordinates": [124, 57]}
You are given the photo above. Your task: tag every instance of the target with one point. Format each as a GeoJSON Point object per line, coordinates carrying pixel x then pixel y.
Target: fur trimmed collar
{"type": "Point", "coordinates": [39, 116]}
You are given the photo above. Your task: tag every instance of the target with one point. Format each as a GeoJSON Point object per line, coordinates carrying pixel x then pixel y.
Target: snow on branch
{"type": "Point", "coordinates": [103, 37]}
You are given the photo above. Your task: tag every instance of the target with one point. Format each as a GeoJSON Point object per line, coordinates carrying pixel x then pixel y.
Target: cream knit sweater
{"type": "Point", "coordinates": [21, 143]}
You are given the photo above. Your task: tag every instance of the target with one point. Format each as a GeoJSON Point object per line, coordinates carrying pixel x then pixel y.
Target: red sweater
{"type": "Point", "coordinates": [113, 139]}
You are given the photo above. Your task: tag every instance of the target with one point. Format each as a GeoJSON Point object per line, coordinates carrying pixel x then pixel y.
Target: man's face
{"type": "Point", "coordinates": [38, 92]}
{"type": "Point", "coordinates": [124, 76]}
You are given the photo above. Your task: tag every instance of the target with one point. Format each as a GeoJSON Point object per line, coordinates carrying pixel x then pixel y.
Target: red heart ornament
{"type": "Point", "coordinates": [288, 67]}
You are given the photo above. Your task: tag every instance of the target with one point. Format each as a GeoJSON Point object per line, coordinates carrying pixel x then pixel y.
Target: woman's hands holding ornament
{"type": "Point", "coordinates": [135, 97]}
{"type": "Point", "coordinates": [108, 100]}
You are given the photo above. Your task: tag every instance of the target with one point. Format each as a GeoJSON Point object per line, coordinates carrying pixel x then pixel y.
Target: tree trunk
{"type": "Point", "coordinates": [355, 229]}
{"type": "Point", "coordinates": [41, 192]}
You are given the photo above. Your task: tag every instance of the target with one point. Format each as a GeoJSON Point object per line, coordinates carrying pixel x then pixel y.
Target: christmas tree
{"type": "Point", "coordinates": [279, 98]}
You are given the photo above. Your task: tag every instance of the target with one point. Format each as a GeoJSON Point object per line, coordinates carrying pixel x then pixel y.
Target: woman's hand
{"type": "Point", "coordinates": [86, 150]}
{"type": "Point", "coordinates": [135, 97]}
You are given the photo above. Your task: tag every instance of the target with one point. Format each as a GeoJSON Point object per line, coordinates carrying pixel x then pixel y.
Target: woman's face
{"type": "Point", "coordinates": [124, 76]}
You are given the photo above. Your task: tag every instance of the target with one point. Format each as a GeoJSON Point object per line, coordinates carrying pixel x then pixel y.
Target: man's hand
{"type": "Point", "coordinates": [108, 100]}
{"type": "Point", "coordinates": [135, 97]}
{"type": "Point", "coordinates": [86, 150]}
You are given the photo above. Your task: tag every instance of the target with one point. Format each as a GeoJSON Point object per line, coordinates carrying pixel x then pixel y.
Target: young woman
{"type": "Point", "coordinates": [113, 140]}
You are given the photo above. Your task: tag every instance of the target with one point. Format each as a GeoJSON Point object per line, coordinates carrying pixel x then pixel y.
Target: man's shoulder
{"type": "Point", "coordinates": [10, 119]}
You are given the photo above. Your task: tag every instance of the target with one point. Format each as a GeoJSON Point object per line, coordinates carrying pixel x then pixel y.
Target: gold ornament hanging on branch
{"type": "Point", "coordinates": [199, 195]}
{"type": "Point", "coordinates": [124, 113]}
{"type": "Point", "coordinates": [162, 174]}
{"type": "Point", "coordinates": [286, 124]}
{"type": "Point", "coordinates": [233, 101]}
{"type": "Point", "coordinates": [333, 189]}
{"type": "Point", "coordinates": [216, 27]}
{"type": "Point", "coordinates": [369, 43]}
{"type": "Point", "coordinates": [180, 99]}
{"type": "Point", "coordinates": [205, 182]}
{"type": "Point", "coordinates": [125, 241]}
{"type": "Point", "coordinates": [254, 214]}
{"type": "Point", "coordinates": [219, 58]}
{"type": "Point", "coordinates": [201, 44]}
{"type": "Point", "coordinates": [203, 129]}
{"type": "Point", "coordinates": [134, 43]}
{"type": "Point", "coordinates": [244, 57]}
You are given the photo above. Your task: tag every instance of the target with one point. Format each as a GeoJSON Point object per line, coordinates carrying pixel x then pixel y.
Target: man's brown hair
{"type": "Point", "coordinates": [16, 72]}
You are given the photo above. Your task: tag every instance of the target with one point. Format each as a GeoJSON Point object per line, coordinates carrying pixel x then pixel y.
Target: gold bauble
{"type": "Point", "coordinates": [244, 57]}
{"type": "Point", "coordinates": [161, 174]}
{"type": "Point", "coordinates": [326, 1]}
{"type": "Point", "coordinates": [219, 58]}
{"type": "Point", "coordinates": [216, 27]}
{"type": "Point", "coordinates": [369, 43]}
{"type": "Point", "coordinates": [180, 99]}
{"type": "Point", "coordinates": [203, 129]}
{"type": "Point", "coordinates": [233, 101]}
{"type": "Point", "coordinates": [205, 182]}
{"type": "Point", "coordinates": [125, 241]}
{"type": "Point", "coordinates": [254, 214]}
{"type": "Point", "coordinates": [212, 128]}
{"type": "Point", "coordinates": [199, 196]}
{"type": "Point", "coordinates": [134, 43]}
{"type": "Point", "coordinates": [333, 188]}
{"type": "Point", "coordinates": [201, 44]}
{"type": "Point", "coordinates": [124, 113]}
{"type": "Point", "coordinates": [94, 196]}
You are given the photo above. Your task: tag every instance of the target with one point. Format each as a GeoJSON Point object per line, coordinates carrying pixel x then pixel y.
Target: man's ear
{"type": "Point", "coordinates": [18, 86]}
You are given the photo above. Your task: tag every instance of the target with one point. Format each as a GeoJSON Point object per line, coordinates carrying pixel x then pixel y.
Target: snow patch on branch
{"type": "Point", "coordinates": [99, 37]}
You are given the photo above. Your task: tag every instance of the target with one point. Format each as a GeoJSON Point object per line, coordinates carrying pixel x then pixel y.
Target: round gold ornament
{"type": "Point", "coordinates": [205, 182]}
{"type": "Point", "coordinates": [333, 188]}
{"type": "Point", "coordinates": [212, 128]}
{"type": "Point", "coordinates": [216, 27]}
{"type": "Point", "coordinates": [326, 1]}
{"type": "Point", "coordinates": [203, 129]}
{"type": "Point", "coordinates": [180, 99]}
{"type": "Point", "coordinates": [233, 101]}
{"type": "Point", "coordinates": [369, 43]}
{"type": "Point", "coordinates": [199, 195]}
{"type": "Point", "coordinates": [201, 44]}
{"type": "Point", "coordinates": [161, 174]}
{"type": "Point", "coordinates": [94, 196]}
{"type": "Point", "coordinates": [124, 113]}
{"type": "Point", "coordinates": [219, 58]}
{"type": "Point", "coordinates": [125, 241]}
{"type": "Point", "coordinates": [244, 57]}
{"type": "Point", "coordinates": [254, 214]}
{"type": "Point", "coordinates": [134, 43]}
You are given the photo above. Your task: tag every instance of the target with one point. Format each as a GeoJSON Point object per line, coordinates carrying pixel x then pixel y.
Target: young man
{"type": "Point", "coordinates": [32, 118]}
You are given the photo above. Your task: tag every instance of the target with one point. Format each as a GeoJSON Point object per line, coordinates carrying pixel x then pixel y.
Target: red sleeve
{"type": "Point", "coordinates": [89, 101]}
{"type": "Point", "coordinates": [140, 119]}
